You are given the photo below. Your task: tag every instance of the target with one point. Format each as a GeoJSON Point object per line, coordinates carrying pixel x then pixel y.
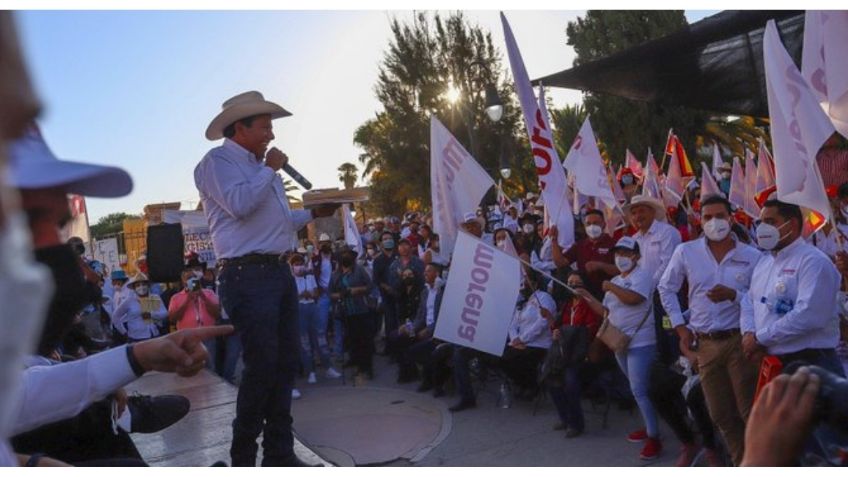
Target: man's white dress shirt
{"type": "Point", "coordinates": [791, 304]}
{"type": "Point", "coordinates": [694, 263]}
{"type": "Point", "coordinates": [656, 247]}
{"type": "Point", "coordinates": [245, 203]}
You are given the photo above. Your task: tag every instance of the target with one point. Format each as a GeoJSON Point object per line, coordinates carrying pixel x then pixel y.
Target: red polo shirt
{"type": "Point", "coordinates": [586, 250]}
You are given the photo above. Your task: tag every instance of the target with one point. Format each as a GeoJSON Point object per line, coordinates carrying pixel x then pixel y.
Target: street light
{"type": "Point", "coordinates": [494, 106]}
{"type": "Point", "coordinates": [503, 162]}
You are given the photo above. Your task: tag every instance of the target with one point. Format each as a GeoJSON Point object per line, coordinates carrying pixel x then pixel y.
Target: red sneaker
{"type": "Point", "coordinates": [687, 455]}
{"type": "Point", "coordinates": [652, 449]}
{"type": "Point", "coordinates": [638, 436]}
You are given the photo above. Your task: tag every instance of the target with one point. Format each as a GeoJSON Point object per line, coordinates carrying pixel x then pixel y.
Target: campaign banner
{"type": "Point", "coordinates": [106, 252]}
{"type": "Point", "coordinates": [480, 296]}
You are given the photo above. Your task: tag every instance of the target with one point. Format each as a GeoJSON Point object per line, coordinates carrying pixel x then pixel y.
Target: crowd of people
{"type": "Point", "coordinates": [672, 311]}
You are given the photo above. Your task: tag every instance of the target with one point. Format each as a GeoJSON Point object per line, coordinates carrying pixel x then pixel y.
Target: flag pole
{"type": "Point", "coordinates": [548, 275]}
{"type": "Point", "coordinates": [665, 149]}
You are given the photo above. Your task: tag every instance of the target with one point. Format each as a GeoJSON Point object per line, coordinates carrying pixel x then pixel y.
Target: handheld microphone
{"type": "Point", "coordinates": [297, 177]}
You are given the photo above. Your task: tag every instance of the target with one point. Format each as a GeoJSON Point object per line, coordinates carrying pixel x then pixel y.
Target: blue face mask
{"type": "Point", "coordinates": [388, 244]}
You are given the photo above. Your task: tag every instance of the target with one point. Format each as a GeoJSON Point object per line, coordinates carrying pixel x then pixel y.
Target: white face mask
{"type": "Point", "coordinates": [624, 264]}
{"type": "Point", "coordinates": [716, 229]}
{"type": "Point", "coordinates": [142, 290]}
{"type": "Point", "coordinates": [528, 228]}
{"type": "Point", "coordinates": [594, 231]}
{"type": "Point", "coordinates": [25, 290]}
{"type": "Point", "coordinates": [501, 244]}
{"type": "Point", "coordinates": [768, 235]}
{"type": "Point", "coordinates": [725, 175]}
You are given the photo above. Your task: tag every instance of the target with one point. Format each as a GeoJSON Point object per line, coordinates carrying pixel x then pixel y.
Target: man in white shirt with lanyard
{"type": "Point", "coordinates": [718, 271]}
{"type": "Point", "coordinates": [791, 309]}
{"type": "Point", "coordinates": [252, 227]}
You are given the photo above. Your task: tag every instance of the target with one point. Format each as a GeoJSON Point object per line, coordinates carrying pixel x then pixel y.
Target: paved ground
{"type": "Point", "coordinates": [491, 436]}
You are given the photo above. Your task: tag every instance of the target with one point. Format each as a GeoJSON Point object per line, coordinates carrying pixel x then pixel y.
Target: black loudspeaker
{"type": "Point", "coordinates": [165, 252]}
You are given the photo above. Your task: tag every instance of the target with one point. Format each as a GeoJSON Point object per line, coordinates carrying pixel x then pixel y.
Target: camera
{"type": "Point", "coordinates": [193, 284]}
{"type": "Point", "coordinates": [832, 401]}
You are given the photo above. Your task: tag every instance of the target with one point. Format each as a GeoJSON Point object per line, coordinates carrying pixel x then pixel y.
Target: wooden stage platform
{"type": "Point", "coordinates": [203, 436]}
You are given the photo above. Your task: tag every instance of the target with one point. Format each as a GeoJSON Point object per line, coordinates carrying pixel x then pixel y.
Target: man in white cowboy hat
{"type": "Point", "coordinates": [252, 226]}
{"type": "Point", "coordinates": [657, 239]}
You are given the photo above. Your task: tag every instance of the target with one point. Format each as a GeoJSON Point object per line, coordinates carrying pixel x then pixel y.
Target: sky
{"type": "Point", "coordinates": [137, 89]}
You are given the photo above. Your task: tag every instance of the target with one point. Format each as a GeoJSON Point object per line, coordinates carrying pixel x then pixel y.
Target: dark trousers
{"type": "Point", "coordinates": [261, 301]}
{"type": "Point", "coordinates": [521, 365]}
{"type": "Point", "coordinates": [566, 399]}
{"type": "Point", "coordinates": [422, 353]}
{"type": "Point", "coordinates": [80, 440]}
{"type": "Point", "coordinates": [823, 358]}
{"type": "Point", "coordinates": [462, 372]}
{"type": "Point", "coordinates": [359, 334]}
{"type": "Point", "coordinates": [672, 407]}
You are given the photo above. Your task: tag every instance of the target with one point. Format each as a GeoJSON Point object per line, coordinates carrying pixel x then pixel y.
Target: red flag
{"type": "Point", "coordinates": [633, 164]}
{"type": "Point", "coordinates": [675, 146]}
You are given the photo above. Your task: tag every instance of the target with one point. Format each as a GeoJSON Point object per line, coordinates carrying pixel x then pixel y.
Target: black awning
{"type": "Point", "coordinates": [715, 64]}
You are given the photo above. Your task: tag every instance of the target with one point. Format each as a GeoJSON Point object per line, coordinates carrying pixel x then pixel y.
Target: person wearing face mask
{"type": "Point", "coordinates": [194, 307]}
{"type": "Point", "coordinates": [718, 270]}
{"type": "Point", "coordinates": [593, 255]}
{"type": "Point", "coordinates": [313, 326]}
{"type": "Point", "coordinates": [349, 287]}
{"type": "Point", "coordinates": [566, 393]}
{"type": "Point", "coordinates": [382, 280]}
{"type": "Point", "coordinates": [56, 392]}
{"type": "Point", "coordinates": [404, 261]}
{"type": "Point", "coordinates": [627, 305]}
{"type": "Point", "coordinates": [827, 239]}
{"type": "Point", "coordinates": [724, 178]}
{"type": "Point", "coordinates": [791, 309]}
{"type": "Point", "coordinates": [425, 233]}
{"type": "Point", "coordinates": [138, 316]}
{"type": "Point", "coordinates": [324, 264]}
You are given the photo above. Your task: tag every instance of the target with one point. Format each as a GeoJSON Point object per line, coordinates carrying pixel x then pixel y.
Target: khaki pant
{"type": "Point", "coordinates": [728, 381]}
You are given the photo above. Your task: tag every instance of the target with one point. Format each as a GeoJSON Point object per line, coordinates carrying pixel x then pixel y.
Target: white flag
{"type": "Point", "coordinates": [824, 62]}
{"type": "Point", "coordinates": [737, 185]}
{"type": "Point", "coordinates": [351, 234]}
{"type": "Point", "coordinates": [751, 208]}
{"type": "Point", "coordinates": [799, 127]}
{"type": "Point", "coordinates": [717, 162]}
{"type": "Point", "coordinates": [457, 184]}
{"type": "Point", "coordinates": [708, 183]}
{"type": "Point", "coordinates": [651, 184]}
{"type": "Point", "coordinates": [765, 186]}
{"type": "Point", "coordinates": [552, 180]}
{"type": "Point", "coordinates": [584, 160]}
{"type": "Point", "coordinates": [480, 296]}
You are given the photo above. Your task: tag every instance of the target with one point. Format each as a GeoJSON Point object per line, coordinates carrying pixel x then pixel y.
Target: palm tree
{"type": "Point", "coordinates": [735, 134]}
{"type": "Point", "coordinates": [347, 174]}
{"type": "Point", "coordinates": [289, 186]}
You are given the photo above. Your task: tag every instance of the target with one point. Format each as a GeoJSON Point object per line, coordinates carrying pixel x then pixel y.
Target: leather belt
{"type": "Point", "coordinates": [251, 259]}
{"type": "Point", "coordinates": [718, 335]}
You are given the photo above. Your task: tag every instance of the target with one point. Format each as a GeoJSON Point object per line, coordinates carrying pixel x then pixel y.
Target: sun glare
{"type": "Point", "coordinates": [452, 94]}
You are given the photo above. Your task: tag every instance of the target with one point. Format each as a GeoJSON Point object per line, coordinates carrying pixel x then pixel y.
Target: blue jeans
{"type": "Point", "coordinates": [232, 352]}
{"type": "Point", "coordinates": [261, 301]}
{"type": "Point", "coordinates": [323, 310]}
{"type": "Point", "coordinates": [567, 400]}
{"type": "Point", "coordinates": [313, 337]}
{"type": "Point", "coordinates": [636, 364]}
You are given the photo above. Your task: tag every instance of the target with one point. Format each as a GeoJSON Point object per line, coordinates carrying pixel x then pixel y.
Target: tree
{"type": "Point", "coordinates": [620, 122]}
{"type": "Point", "coordinates": [425, 60]}
{"type": "Point", "coordinates": [110, 224]}
{"type": "Point", "coordinates": [289, 186]}
{"type": "Point", "coordinates": [347, 174]}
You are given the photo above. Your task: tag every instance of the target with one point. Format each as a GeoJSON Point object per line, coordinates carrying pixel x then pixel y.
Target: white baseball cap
{"type": "Point", "coordinates": [32, 165]}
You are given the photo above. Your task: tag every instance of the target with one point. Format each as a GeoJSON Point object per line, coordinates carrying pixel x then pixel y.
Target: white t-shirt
{"type": "Point", "coordinates": [304, 284]}
{"type": "Point", "coordinates": [627, 317]}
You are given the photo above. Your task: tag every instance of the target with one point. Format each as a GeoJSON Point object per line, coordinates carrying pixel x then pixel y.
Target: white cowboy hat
{"type": "Point", "coordinates": [32, 165]}
{"type": "Point", "coordinates": [242, 106]}
{"type": "Point", "coordinates": [137, 278]}
{"type": "Point", "coordinates": [324, 238]}
{"type": "Point", "coordinates": [650, 202]}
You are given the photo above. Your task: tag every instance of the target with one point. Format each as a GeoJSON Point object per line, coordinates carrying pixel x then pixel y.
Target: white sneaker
{"type": "Point", "coordinates": [311, 379]}
{"type": "Point", "coordinates": [295, 394]}
{"type": "Point", "coordinates": [332, 373]}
